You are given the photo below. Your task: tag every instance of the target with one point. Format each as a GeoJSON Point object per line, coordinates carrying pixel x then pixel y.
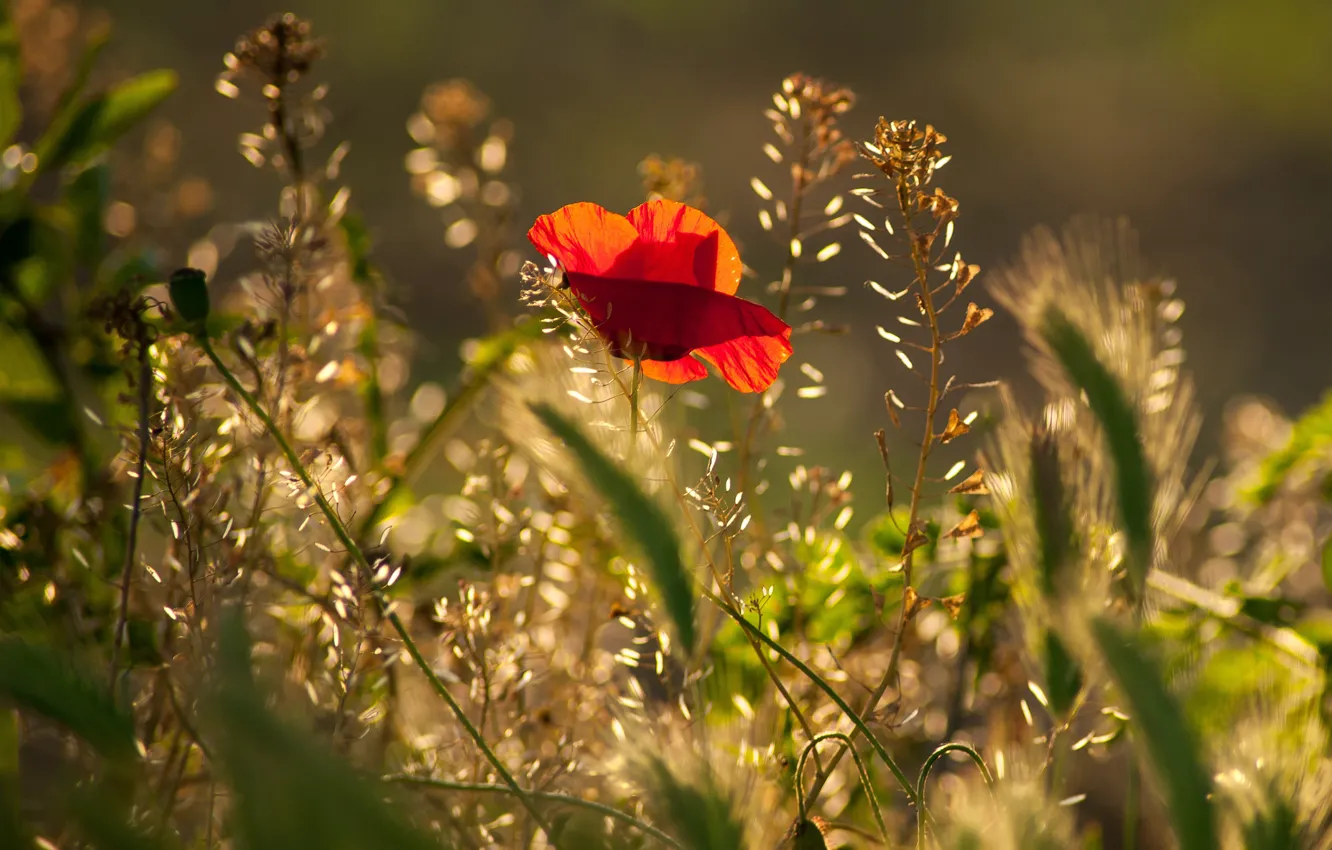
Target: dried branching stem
{"type": "Point", "coordinates": [920, 265]}
{"type": "Point", "coordinates": [344, 537]}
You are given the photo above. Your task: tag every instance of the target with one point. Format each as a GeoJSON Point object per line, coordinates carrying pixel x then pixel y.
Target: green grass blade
{"type": "Point", "coordinates": [1133, 480]}
{"type": "Point", "coordinates": [104, 119]}
{"type": "Point", "coordinates": [1053, 525]}
{"type": "Point", "coordinates": [490, 358]}
{"type": "Point", "coordinates": [37, 679]}
{"type": "Point", "coordinates": [642, 518]}
{"type": "Point", "coordinates": [290, 791]}
{"type": "Point", "coordinates": [1169, 742]}
{"type": "Point", "coordinates": [697, 812]}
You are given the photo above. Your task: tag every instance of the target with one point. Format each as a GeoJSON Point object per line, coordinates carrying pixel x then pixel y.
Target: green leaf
{"type": "Point", "coordinates": [11, 108]}
{"type": "Point", "coordinates": [36, 679]}
{"type": "Point", "coordinates": [1133, 481]}
{"type": "Point", "coordinates": [1170, 743]}
{"type": "Point", "coordinates": [107, 117]}
{"type": "Point", "coordinates": [642, 518]}
{"type": "Point", "coordinates": [290, 790]}
{"type": "Point", "coordinates": [87, 198]}
{"type": "Point", "coordinates": [23, 372]}
{"type": "Point", "coordinates": [1310, 439]}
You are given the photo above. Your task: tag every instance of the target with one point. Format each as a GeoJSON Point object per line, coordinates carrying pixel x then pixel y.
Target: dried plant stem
{"type": "Point", "coordinates": [136, 511]}
{"type": "Point", "coordinates": [798, 172]}
{"type": "Point", "coordinates": [291, 146]}
{"type": "Point", "coordinates": [344, 537]}
{"type": "Point", "coordinates": [544, 796]}
{"type": "Point", "coordinates": [920, 264]}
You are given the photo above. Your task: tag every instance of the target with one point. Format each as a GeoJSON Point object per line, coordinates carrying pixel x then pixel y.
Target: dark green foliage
{"type": "Point", "coordinates": [189, 295]}
{"type": "Point", "coordinates": [808, 836]}
{"type": "Point", "coordinates": [42, 681]}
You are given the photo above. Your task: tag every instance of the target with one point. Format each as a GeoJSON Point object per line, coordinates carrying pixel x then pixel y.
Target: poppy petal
{"type": "Point", "coordinates": [679, 244]}
{"type": "Point", "coordinates": [664, 321]}
{"type": "Point", "coordinates": [584, 237]}
{"type": "Point", "coordinates": [749, 364]}
{"type": "Point", "coordinates": [680, 371]}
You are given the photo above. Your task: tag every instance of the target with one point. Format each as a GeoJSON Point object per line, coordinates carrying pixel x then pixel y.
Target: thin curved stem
{"type": "Point", "coordinates": [925, 768]}
{"type": "Point", "coordinates": [823, 685]}
{"type": "Point", "coordinates": [812, 747]}
{"type": "Point", "coordinates": [543, 796]}
{"type": "Point", "coordinates": [344, 537]}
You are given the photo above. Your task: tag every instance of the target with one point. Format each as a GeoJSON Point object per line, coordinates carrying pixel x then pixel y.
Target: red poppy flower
{"type": "Point", "coordinates": [658, 285]}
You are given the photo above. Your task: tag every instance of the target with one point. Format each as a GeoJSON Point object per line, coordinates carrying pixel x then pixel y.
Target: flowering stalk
{"type": "Point", "coordinates": [909, 156]}
{"type": "Point", "coordinates": [358, 556]}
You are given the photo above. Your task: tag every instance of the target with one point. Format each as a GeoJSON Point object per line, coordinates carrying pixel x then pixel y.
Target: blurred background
{"type": "Point", "coordinates": [1208, 124]}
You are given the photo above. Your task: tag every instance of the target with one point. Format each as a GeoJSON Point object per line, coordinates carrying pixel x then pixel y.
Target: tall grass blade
{"type": "Point", "coordinates": [1170, 743]}
{"type": "Point", "coordinates": [289, 790]}
{"type": "Point", "coordinates": [640, 517]}
{"type": "Point", "coordinates": [1133, 480]}
{"type": "Point", "coordinates": [37, 679]}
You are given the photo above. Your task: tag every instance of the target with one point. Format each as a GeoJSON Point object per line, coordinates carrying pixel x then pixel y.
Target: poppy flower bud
{"type": "Point", "coordinates": [189, 295]}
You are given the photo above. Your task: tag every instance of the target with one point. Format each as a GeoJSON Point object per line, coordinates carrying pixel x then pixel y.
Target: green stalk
{"type": "Point", "coordinates": [544, 796]}
{"type": "Point", "coordinates": [812, 747]}
{"type": "Point", "coordinates": [345, 538]}
{"type": "Point", "coordinates": [939, 753]}
{"type": "Point", "coordinates": [823, 685]}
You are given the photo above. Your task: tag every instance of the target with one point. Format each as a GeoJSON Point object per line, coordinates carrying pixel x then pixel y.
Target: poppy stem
{"type": "Point", "coordinates": [633, 406]}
